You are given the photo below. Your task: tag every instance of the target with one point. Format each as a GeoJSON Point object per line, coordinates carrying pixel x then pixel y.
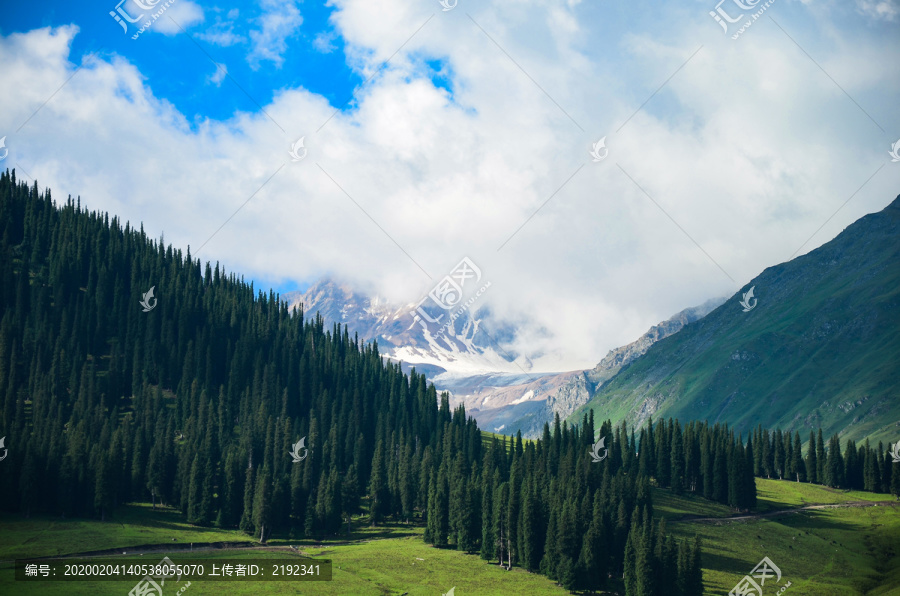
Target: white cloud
{"type": "Point", "coordinates": [324, 42]}
{"type": "Point", "coordinates": [279, 21]}
{"type": "Point", "coordinates": [221, 36]}
{"type": "Point", "coordinates": [221, 33]}
{"type": "Point", "coordinates": [879, 9]}
{"type": "Point", "coordinates": [749, 148]}
{"type": "Point", "coordinates": [218, 75]}
{"type": "Point", "coordinates": [181, 14]}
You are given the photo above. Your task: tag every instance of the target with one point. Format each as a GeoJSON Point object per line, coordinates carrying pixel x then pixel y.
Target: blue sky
{"type": "Point", "coordinates": [467, 134]}
{"type": "Point", "coordinates": [293, 49]}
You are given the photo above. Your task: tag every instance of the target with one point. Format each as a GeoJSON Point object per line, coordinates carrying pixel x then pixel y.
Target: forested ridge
{"type": "Point", "coordinates": [197, 402]}
{"type": "Point", "coordinates": [194, 403]}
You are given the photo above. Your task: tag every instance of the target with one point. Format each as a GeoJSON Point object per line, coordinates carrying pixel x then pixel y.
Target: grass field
{"type": "Point", "coordinates": [822, 552]}
{"type": "Point", "coordinates": [133, 525]}
{"type": "Point", "coordinates": [773, 494]}
{"type": "Point", "coordinates": [390, 559]}
{"type": "Point", "coordinates": [833, 552]}
{"type": "Point", "coordinates": [386, 566]}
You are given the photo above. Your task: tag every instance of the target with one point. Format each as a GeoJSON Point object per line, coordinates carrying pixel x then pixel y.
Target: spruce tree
{"type": "Point", "coordinates": [778, 454]}
{"type": "Point", "coordinates": [551, 557]}
{"type": "Point", "coordinates": [812, 462]}
{"type": "Point", "coordinates": [720, 474]}
{"type": "Point", "coordinates": [645, 563]}
{"type": "Point", "coordinates": [500, 531]}
{"type": "Point", "coordinates": [797, 466]}
{"type": "Point", "coordinates": [530, 550]}
{"type": "Point", "coordinates": [262, 504]}
{"type": "Point", "coordinates": [488, 540]}
{"type": "Point", "coordinates": [629, 574]}
{"type": "Point", "coordinates": [378, 490]}
{"type": "Point", "coordinates": [820, 458]}
{"type": "Point", "coordinates": [834, 464]}
{"type": "Point", "coordinates": [677, 461]}
{"type": "Point", "coordinates": [695, 578]}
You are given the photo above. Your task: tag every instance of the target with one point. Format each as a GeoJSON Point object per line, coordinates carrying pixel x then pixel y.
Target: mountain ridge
{"type": "Point", "coordinates": [819, 347]}
{"type": "Point", "coordinates": [497, 392]}
{"type": "Point", "coordinates": [563, 393]}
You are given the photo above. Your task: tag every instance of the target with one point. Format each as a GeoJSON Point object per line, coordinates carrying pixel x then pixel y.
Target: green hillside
{"type": "Point", "coordinates": [820, 349]}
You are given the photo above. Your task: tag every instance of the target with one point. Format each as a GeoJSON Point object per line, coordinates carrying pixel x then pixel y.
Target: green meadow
{"type": "Point", "coordinates": [848, 550]}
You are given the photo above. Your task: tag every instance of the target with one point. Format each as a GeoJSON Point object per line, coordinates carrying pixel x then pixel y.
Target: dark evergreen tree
{"type": "Point", "coordinates": [812, 462]}
{"type": "Point", "coordinates": [677, 465]}
{"type": "Point", "coordinates": [834, 464]}
{"type": "Point", "coordinates": [798, 469]}
{"type": "Point", "coordinates": [820, 457]}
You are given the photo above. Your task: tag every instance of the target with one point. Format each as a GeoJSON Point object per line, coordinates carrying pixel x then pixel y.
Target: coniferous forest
{"type": "Point", "coordinates": [196, 404]}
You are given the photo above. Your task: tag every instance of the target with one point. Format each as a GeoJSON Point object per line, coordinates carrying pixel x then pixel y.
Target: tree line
{"type": "Point", "coordinates": [779, 455]}
{"type": "Point", "coordinates": [194, 403]}
{"type": "Point", "coordinates": [550, 507]}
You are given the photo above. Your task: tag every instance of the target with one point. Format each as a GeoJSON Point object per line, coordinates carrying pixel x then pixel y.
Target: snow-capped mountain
{"type": "Point", "coordinates": [463, 357]}
{"type": "Point", "coordinates": [434, 345]}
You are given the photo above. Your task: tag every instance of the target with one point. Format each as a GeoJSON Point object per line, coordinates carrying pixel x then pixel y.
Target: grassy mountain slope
{"type": "Point", "coordinates": [821, 347]}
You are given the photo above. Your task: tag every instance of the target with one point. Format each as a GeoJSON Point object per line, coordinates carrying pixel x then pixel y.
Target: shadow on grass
{"type": "Point", "coordinates": [724, 563]}
{"type": "Point", "coordinates": [814, 519]}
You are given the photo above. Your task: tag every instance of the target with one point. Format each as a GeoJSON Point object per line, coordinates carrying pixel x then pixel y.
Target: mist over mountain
{"type": "Point", "coordinates": [501, 393]}
{"type": "Point", "coordinates": [465, 347]}
{"type": "Point", "coordinates": [528, 406]}
{"type": "Point", "coordinates": [818, 347]}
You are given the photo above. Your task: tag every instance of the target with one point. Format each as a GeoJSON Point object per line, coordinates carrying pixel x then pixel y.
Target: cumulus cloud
{"type": "Point", "coordinates": [749, 148]}
{"type": "Point", "coordinates": [181, 14]}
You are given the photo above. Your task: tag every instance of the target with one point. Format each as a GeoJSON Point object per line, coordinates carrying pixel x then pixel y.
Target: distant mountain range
{"type": "Point", "coordinates": [527, 406]}
{"type": "Point", "coordinates": [820, 347]}
{"type": "Point", "coordinates": [498, 391]}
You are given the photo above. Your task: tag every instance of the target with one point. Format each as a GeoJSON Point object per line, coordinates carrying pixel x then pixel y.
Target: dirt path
{"type": "Point", "coordinates": [789, 511]}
